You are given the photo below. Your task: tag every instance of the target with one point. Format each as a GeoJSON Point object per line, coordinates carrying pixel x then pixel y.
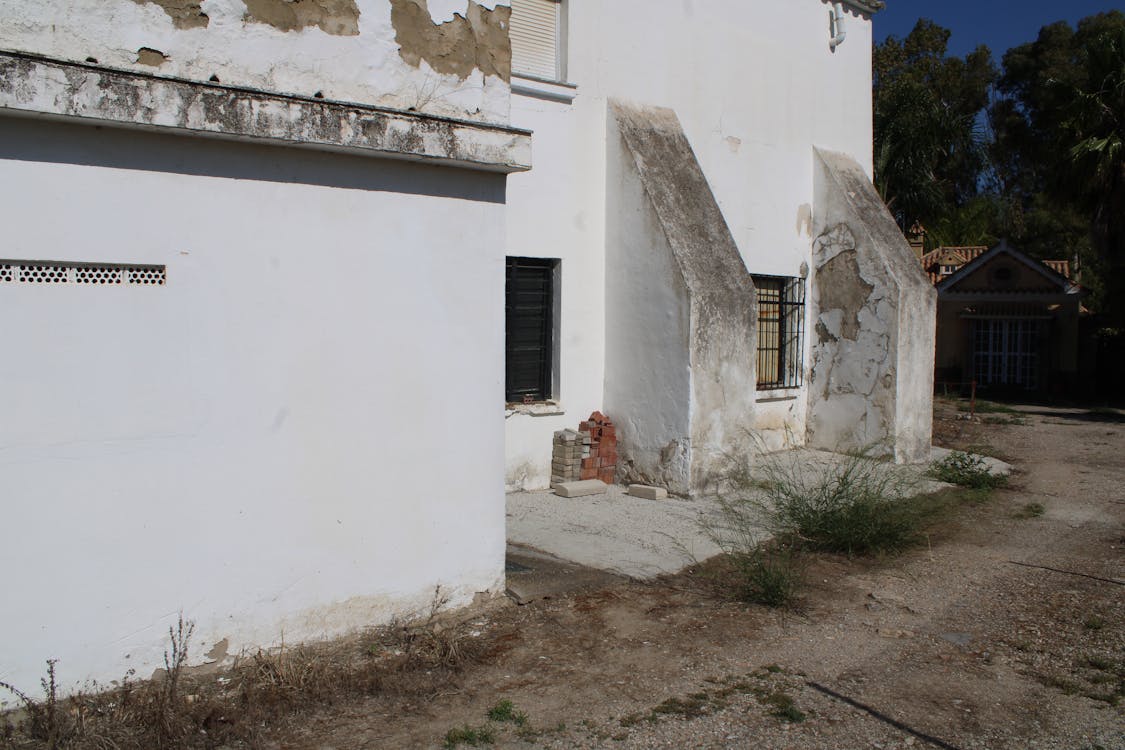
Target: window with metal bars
{"type": "Point", "coordinates": [781, 317]}
{"type": "Point", "coordinates": [529, 329]}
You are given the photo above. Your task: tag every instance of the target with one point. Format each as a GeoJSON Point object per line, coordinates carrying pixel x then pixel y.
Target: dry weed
{"type": "Point", "coordinates": [180, 708]}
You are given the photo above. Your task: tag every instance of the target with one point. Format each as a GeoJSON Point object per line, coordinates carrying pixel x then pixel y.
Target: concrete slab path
{"type": "Point", "coordinates": [643, 538]}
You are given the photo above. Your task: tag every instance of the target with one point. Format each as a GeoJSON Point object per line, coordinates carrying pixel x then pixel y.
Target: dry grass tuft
{"type": "Point", "coordinates": [182, 709]}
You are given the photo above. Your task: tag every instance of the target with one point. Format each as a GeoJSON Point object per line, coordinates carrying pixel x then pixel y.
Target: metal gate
{"type": "Point", "coordinates": [1006, 351]}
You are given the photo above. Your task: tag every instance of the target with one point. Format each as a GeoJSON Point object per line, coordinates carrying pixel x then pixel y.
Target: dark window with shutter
{"type": "Point", "coordinates": [530, 294]}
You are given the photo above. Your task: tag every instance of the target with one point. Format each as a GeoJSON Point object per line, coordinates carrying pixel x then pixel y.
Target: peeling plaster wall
{"type": "Point", "coordinates": [755, 87]}
{"type": "Point", "coordinates": [348, 50]}
{"type": "Point", "coordinates": [229, 444]}
{"type": "Point", "coordinates": [873, 313]}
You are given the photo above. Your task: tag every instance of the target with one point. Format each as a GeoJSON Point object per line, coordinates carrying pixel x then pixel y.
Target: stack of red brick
{"type": "Point", "coordinates": [602, 461]}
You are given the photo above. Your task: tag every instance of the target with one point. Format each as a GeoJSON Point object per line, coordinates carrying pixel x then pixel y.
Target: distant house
{"type": "Point", "coordinates": [1005, 320]}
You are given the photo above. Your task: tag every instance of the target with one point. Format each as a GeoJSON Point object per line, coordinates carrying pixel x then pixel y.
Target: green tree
{"type": "Point", "coordinates": [929, 152]}
{"type": "Point", "coordinates": [1093, 173]}
{"type": "Point", "coordinates": [1057, 155]}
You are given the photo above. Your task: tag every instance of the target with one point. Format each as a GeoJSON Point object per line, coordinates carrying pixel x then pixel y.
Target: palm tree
{"type": "Point", "coordinates": [1095, 142]}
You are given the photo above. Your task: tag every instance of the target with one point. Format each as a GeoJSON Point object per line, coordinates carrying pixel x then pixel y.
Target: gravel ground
{"type": "Point", "coordinates": [957, 644]}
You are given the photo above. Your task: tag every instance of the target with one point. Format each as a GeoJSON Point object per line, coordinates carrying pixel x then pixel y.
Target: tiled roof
{"type": "Point", "coordinates": [933, 261]}
{"type": "Point", "coordinates": [1061, 267]}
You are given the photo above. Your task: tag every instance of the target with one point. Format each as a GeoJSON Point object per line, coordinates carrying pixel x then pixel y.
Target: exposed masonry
{"type": "Point", "coordinates": [58, 272]}
{"type": "Point", "coordinates": [36, 85]}
{"type": "Point", "coordinates": [478, 39]}
{"type": "Point", "coordinates": [848, 291]}
{"type": "Point", "coordinates": [150, 56]}
{"type": "Point", "coordinates": [338, 17]}
{"type": "Point", "coordinates": [185, 14]}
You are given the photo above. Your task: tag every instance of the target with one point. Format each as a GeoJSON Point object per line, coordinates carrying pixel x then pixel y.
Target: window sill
{"type": "Point", "coordinates": [778, 394]}
{"type": "Point", "coordinates": [541, 88]}
{"type": "Point", "coordinates": [537, 409]}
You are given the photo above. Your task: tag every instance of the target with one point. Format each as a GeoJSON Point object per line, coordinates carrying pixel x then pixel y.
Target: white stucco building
{"type": "Point", "coordinates": [757, 88]}
{"type": "Point", "coordinates": [255, 269]}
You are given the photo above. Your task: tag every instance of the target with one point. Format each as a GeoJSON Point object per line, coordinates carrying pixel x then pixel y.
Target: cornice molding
{"type": "Point", "coordinates": [866, 6]}
{"type": "Point", "coordinates": [34, 85]}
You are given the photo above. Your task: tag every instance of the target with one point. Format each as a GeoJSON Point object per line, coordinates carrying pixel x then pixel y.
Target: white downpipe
{"type": "Point", "coordinates": [837, 26]}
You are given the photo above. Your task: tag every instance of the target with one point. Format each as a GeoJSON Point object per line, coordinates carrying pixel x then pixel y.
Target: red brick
{"type": "Point", "coordinates": [606, 475]}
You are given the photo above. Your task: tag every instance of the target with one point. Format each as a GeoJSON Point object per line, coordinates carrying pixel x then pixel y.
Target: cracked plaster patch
{"type": "Point", "coordinates": [185, 14]}
{"type": "Point", "coordinates": [477, 40]}
{"type": "Point", "coordinates": [842, 288]}
{"type": "Point", "coordinates": [337, 17]}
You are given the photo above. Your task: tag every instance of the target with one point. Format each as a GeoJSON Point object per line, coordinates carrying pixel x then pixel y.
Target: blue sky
{"type": "Point", "coordinates": [998, 23]}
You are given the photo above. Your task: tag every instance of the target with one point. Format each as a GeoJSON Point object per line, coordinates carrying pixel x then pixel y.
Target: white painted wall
{"type": "Point", "coordinates": [648, 344]}
{"type": "Point", "coordinates": [756, 87]}
{"type": "Point", "coordinates": [365, 67]}
{"type": "Point", "coordinates": [557, 211]}
{"type": "Point", "coordinates": [295, 436]}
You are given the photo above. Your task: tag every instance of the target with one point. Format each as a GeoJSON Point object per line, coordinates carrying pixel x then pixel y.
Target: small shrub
{"type": "Point", "coordinates": [769, 574]}
{"type": "Point", "coordinates": [506, 711]}
{"type": "Point", "coordinates": [966, 470]}
{"type": "Point", "coordinates": [691, 707]}
{"type": "Point", "coordinates": [852, 507]}
{"type": "Point", "coordinates": [785, 708]}
{"type": "Point", "coordinates": [471, 736]}
{"type": "Point", "coordinates": [988, 407]}
{"type": "Point", "coordinates": [1093, 622]}
{"type": "Point", "coordinates": [1096, 661]}
{"type": "Point", "coordinates": [1030, 510]}
{"type": "Point", "coordinates": [852, 504]}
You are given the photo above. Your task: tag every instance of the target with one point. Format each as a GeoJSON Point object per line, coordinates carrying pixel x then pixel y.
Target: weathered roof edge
{"type": "Point", "coordinates": [1003, 248]}
{"type": "Point", "coordinates": [36, 85]}
{"type": "Point", "coordinates": [866, 6]}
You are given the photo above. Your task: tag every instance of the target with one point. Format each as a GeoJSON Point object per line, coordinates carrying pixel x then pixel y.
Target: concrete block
{"type": "Point", "coordinates": [648, 492]}
{"type": "Point", "coordinates": [580, 488]}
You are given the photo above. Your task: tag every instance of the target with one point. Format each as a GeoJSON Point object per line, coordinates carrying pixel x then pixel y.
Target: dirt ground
{"type": "Point", "coordinates": [951, 645]}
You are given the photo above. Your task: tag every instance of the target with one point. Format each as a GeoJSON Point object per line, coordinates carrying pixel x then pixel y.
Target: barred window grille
{"type": "Point", "coordinates": [530, 326]}
{"type": "Point", "coordinates": [59, 272]}
{"type": "Point", "coordinates": [781, 317]}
